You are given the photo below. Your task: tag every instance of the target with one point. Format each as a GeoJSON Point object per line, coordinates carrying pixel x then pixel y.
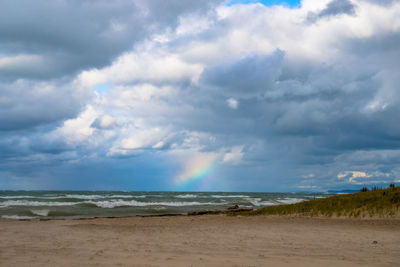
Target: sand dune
{"type": "Point", "coordinates": [201, 241]}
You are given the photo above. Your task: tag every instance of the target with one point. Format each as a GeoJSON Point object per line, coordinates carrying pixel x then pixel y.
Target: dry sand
{"type": "Point", "coordinates": [201, 241]}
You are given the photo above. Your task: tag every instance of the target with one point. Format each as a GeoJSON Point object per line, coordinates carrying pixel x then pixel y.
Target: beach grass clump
{"type": "Point", "coordinates": [376, 202]}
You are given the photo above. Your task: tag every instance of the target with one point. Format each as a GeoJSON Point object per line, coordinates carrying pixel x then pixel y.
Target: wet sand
{"type": "Point", "coordinates": [211, 240]}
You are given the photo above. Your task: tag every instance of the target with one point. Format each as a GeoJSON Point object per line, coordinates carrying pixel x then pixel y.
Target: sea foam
{"type": "Point", "coordinates": [133, 203]}
{"type": "Point", "coordinates": [40, 212]}
{"type": "Point", "coordinates": [229, 196]}
{"type": "Point", "coordinates": [16, 217]}
{"type": "Point", "coordinates": [289, 200]}
{"type": "Point", "coordinates": [28, 203]}
{"type": "Point", "coordinates": [16, 197]}
{"type": "Point", "coordinates": [186, 196]}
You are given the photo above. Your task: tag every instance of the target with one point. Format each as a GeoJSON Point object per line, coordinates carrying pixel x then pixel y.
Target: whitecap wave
{"type": "Point", "coordinates": [186, 196]}
{"type": "Point", "coordinates": [229, 196]}
{"type": "Point", "coordinates": [259, 202]}
{"type": "Point", "coordinates": [160, 208]}
{"type": "Point", "coordinates": [16, 197]}
{"type": "Point", "coordinates": [91, 197]}
{"type": "Point", "coordinates": [289, 200]}
{"type": "Point", "coordinates": [273, 202]}
{"type": "Point", "coordinates": [266, 203]}
{"type": "Point", "coordinates": [133, 203]}
{"type": "Point", "coordinates": [40, 212]}
{"type": "Point", "coordinates": [28, 203]}
{"type": "Point", "coordinates": [82, 196]}
{"type": "Point", "coordinates": [126, 196]}
{"type": "Point", "coordinates": [37, 197]}
{"type": "Point", "coordinates": [16, 217]}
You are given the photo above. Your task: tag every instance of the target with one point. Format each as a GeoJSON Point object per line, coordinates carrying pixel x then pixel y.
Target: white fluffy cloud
{"type": "Point", "coordinates": [360, 177]}
{"type": "Point", "coordinates": [232, 103]}
{"type": "Point", "coordinates": [143, 67]}
{"type": "Point", "coordinates": [234, 156]}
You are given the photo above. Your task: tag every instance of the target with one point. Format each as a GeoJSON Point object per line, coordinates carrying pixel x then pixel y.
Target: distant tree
{"type": "Point", "coordinates": [364, 189]}
{"type": "Point", "coordinates": [392, 186]}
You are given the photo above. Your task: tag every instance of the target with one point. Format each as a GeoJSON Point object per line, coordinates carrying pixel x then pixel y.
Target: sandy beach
{"type": "Point", "coordinates": [212, 240]}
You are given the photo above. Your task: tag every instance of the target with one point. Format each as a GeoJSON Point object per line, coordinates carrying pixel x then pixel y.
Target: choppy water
{"type": "Point", "coordinates": [89, 204]}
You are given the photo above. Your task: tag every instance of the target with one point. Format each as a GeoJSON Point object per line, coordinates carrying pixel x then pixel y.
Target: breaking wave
{"type": "Point", "coordinates": [186, 196]}
{"type": "Point", "coordinates": [133, 203]}
{"type": "Point", "coordinates": [27, 203]}
{"type": "Point", "coordinates": [289, 200]}
{"type": "Point", "coordinates": [40, 212]}
{"type": "Point", "coordinates": [17, 217]}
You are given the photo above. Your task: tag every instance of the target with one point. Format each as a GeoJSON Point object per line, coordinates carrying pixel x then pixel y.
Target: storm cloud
{"type": "Point", "coordinates": [279, 98]}
{"type": "Point", "coordinates": [333, 8]}
{"type": "Point", "coordinates": [45, 39]}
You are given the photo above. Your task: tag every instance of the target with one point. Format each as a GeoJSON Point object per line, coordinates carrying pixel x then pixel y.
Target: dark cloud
{"type": "Point", "coordinates": [47, 40]}
{"type": "Point", "coordinates": [381, 2]}
{"type": "Point", "coordinates": [334, 8]}
{"type": "Point", "coordinates": [12, 147]}
{"type": "Point", "coordinates": [26, 104]}
{"type": "Point", "coordinates": [64, 37]}
{"type": "Point", "coordinates": [247, 76]}
{"type": "Point", "coordinates": [337, 7]}
{"type": "Point", "coordinates": [104, 122]}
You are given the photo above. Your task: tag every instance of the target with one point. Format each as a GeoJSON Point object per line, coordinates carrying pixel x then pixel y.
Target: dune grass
{"type": "Point", "coordinates": [379, 202]}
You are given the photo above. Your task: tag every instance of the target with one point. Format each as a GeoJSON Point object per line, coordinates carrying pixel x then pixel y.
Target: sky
{"type": "Point", "coordinates": [210, 95]}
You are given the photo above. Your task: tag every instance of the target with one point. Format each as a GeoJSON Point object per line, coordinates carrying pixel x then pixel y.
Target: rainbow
{"type": "Point", "coordinates": [196, 169]}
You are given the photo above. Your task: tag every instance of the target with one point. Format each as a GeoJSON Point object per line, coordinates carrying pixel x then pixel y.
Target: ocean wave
{"type": "Point", "coordinates": [259, 202]}
{"type": "Point", "coordinates": [81, 196]}
{"type": "Point", "coordinates": [186, 196]}
{"type": "Point", "coordinates": [35, 197]}
{"type": "Point", "coordinates": [90, 197]}
{"type": "Point", "coordinates": [160, 208]}
{"type": "Point", "coordinates": [17, 217]}
{"type": "Point", "coordinates": [127, 196]}
{"type": "Point", "coordinates": [273, 202]}
{"type": "Point", "coordinates": [210, 196]}
{"type": "Point", "coordinates": [229, 196]}
{"type": "Point", "coordinates": [103, 204]}
{"type": "Point", "coordinates": [40, 212]}
{"type": "Point", "coordinates": [266, 203]}
{"type": "Point", "coordinates": [17, 197]}
{"type": "Point", "coordinates": [133, 203]}
{"type": "Point", "coordinates": [35, 203]}
{"type": "Point", "coordinates": [74, 196]}
{"type": "Point", "coordinates": [289, 200]}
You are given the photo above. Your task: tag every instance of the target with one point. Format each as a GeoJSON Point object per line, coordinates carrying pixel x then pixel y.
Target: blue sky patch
{"type": "Point", "coordinates": [102, 88]}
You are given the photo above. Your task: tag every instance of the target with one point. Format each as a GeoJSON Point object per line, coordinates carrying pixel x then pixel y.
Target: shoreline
{"type": "Point", "coordinates": [211, 213]}
{"type": "Point", "coordinates": [93, 218]}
